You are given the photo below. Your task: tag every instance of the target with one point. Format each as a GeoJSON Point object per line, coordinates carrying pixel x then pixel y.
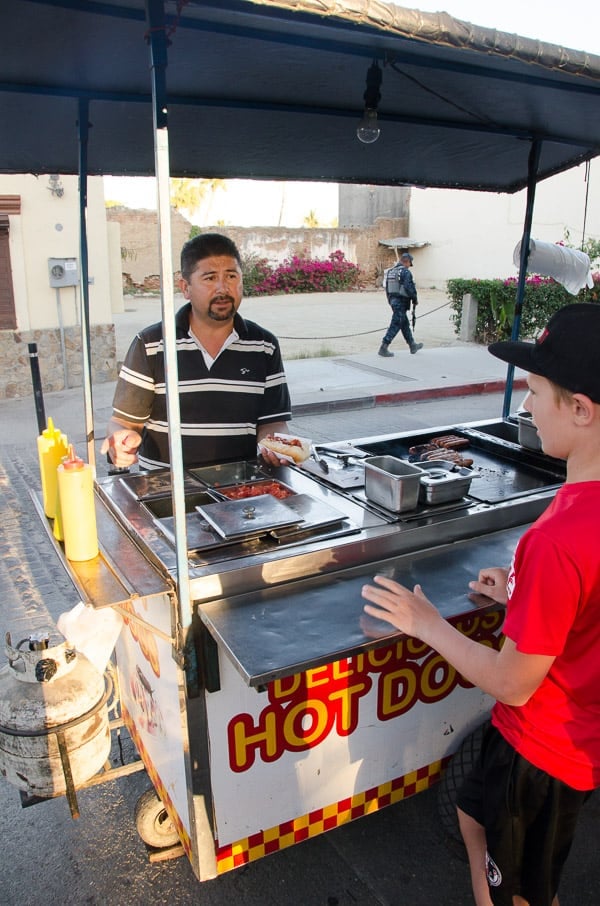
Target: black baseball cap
{"type": "Point", "coordinates": [406, 255]}
{"type": "Point", "coordinates": [567, 352]}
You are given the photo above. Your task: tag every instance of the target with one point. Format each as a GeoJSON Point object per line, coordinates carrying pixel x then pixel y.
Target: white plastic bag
{"type": "Point", "coordinates": [92, 632]}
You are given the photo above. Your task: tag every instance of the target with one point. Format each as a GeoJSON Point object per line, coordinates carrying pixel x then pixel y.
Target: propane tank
{"type": "Point", "coordinates": [48, 688]}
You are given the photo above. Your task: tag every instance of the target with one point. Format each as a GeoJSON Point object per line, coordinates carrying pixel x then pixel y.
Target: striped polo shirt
{"type": "Point", "coordinates": [220, 407]}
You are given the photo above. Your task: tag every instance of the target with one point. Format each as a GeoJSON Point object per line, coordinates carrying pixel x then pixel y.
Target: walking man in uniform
{"type": "Point", "coordinates": [401, 294]}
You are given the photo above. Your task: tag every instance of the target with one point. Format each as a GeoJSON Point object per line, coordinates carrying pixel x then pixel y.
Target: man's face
{"type": "Point", "coordinates": [215, 288]}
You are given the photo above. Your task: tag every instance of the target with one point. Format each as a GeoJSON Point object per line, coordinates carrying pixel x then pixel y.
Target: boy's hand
{"type": "Point", "coordinates": [492, 583]}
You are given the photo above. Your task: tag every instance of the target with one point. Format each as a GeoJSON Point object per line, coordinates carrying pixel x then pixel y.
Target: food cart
{"type": "Point", "coordinates": [266, 707]}
{"type": "Point", "coordinates": [290, 712]}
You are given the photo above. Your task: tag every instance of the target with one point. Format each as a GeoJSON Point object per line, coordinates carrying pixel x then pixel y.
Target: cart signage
{"type": "Point", "coordinates": [306, 708]}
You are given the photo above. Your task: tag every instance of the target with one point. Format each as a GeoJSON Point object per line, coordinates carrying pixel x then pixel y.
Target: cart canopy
{"type": "Point", "coordinates": [273, 89]}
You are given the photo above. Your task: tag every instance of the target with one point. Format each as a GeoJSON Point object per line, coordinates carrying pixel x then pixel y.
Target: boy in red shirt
{"type": "Point", "coordinates": [541, 756]}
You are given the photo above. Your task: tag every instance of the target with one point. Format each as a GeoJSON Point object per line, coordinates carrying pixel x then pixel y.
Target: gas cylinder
{"type": "Point", "coordinates": [50, 691]}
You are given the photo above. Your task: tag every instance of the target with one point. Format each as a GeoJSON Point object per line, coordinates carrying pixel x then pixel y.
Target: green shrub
{"type": "Point", "coordinates": [256, 271]}
{"type": "Point", "coordinates": [496, 304]}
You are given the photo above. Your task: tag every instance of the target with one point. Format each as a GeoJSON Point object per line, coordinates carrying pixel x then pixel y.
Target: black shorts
{"type": "Point", "coordinates": [529, 819]}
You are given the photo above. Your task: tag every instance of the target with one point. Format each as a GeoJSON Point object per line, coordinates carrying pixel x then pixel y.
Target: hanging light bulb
{"type": "Point", "coordinates": [368, 129]}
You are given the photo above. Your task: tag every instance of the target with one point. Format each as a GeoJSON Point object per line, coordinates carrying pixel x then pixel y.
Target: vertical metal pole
{"type": "Point", "coordinates": [532, 169]}
{"type": "Point", "coordinates": [83, 127]}
{"type": "Point", "coordinates": [37, 386]}
{"type": "Point", "coordinates": [61, 333]}
{"type": "Point", "coordinates": [158, 47]}
{"type": "Point", "coordinates": [201, 832]}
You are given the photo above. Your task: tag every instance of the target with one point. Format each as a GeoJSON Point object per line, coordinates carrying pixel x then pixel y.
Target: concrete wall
{"type": "Point", "coordinates": [48, 227]}
{"type": "Point", "coordinates": [469, 234]}
{"type": "Point", "coordinates": [361, 206]}
{"type": "Point", "coordinates": [139, 244]}
{"type": "Point", "coordinates": [473, 234]}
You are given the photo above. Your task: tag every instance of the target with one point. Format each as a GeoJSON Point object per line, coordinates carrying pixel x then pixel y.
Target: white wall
{"type": "Point", "coordinates": [473, 234]}
{"type": "Point", "coordinates": [48, 227]}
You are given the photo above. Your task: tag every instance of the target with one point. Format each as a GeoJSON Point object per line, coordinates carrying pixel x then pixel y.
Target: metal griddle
{"type": "Point", "coordinates": [504, 471]}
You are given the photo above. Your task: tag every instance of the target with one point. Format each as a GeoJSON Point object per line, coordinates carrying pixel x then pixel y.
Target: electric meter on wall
{"type": "Point", "coordinates": [63, 271]}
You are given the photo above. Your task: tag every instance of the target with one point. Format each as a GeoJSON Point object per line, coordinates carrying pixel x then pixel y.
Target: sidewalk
{"type": "Point", "coordinates": [318, 384]}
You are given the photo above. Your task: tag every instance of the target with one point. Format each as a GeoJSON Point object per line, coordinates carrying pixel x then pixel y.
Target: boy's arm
{"type": "Point", "coordinates": [509, 675]}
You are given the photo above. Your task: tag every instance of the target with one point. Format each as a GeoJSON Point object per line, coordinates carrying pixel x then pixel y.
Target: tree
{"type": "Point", "coordinates": [188, 194]}
{"type": "Point", "coordinates": [311, 220]}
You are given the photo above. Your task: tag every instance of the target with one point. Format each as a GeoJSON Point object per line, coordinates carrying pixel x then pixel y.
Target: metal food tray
{"type": "Point", "coordinates": [340, 476]}
{"type": "Point", "coordinates": [161, 505]}
{"type": "Point", "coordinates": [157, 483]}
{"type": "Point", "coordinates": [248, 518]}
{"type": "Point", "coordinates": [262, 487]}
{"type": "Point", "coordinates": [200, 535]}
{"type": "Point", "coordinates": [311, 513]}
{"type": "Point", "coordinates": [441, 484]}
{"type": "Point", "coordinates": [228, 473]}
{"type": "Point", "coordinates": [392, 483]}
{"type": "Point", "coordinates": [502, 470]}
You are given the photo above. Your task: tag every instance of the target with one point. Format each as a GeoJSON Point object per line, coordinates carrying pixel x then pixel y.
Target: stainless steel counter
{"type": "Point", "coordinates": [366, 533]}
{"type": "Point", "coordinates": [281, 631]}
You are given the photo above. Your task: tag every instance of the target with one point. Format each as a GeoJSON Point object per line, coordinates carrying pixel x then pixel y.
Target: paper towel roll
{"type": "Point", "coordinates": [569, 267]}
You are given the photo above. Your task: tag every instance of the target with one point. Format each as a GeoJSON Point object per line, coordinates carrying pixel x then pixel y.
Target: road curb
{"type": "Point", "coordinates": [403, 396]}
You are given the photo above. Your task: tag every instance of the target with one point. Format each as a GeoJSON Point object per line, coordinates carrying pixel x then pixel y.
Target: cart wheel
{"type": "Point", "coordinates": [459, 767]}
{"type": "Point", "coordinates": [153, 823]}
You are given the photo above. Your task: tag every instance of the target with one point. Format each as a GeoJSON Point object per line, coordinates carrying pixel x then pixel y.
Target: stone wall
{"type": "Point", "coordinates": [15, 365]}
{"type": "Point", "coordinates": [360, 245]}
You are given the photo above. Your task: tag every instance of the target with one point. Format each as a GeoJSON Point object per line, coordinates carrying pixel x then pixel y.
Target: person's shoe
{"type": "Point", "coordinates": [415, 347]}
{"type": "Point", "coordinates": [384, 350]}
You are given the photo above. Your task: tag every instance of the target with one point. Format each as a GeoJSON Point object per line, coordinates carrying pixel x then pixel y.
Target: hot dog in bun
{"type": "Point", "coordinates": [297, 449]}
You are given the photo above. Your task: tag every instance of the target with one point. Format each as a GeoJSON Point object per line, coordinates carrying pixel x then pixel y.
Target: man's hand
{"type": "Point", "coordinates": [122, 447]}
{"type": "Point", "coordinates": [272, 428]}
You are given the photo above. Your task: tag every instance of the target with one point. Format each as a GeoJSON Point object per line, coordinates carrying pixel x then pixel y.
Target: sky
{"type": "Point", "coordinates": [571, 24]}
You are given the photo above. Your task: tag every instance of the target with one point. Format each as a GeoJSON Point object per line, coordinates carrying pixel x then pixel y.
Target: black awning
{"type": "Point", "coordinates": [274, 90]}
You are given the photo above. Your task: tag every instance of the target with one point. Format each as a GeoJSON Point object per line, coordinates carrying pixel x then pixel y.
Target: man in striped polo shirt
{"type": "Point", "coordinates": [232, 386]}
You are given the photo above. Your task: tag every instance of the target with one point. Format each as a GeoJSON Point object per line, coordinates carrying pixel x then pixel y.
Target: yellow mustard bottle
{"type": "Point", "coordinates": [52, 447]}
{"type": "Point", "coordinates": [77, 508]}
{"type": "Point", "coordinates": [57, 527]}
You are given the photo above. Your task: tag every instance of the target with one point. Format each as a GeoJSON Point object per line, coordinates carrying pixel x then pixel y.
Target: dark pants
{"type": "Point", "coordinates": [529, 819]}
{"type": "Point", "coordinates": [399, 322]}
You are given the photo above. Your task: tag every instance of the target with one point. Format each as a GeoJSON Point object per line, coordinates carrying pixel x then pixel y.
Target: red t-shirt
{"type": "Point", "coordinates": [554, 609]}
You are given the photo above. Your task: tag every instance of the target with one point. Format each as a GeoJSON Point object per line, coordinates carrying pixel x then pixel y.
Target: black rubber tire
{"type": "Point", "coordinates": [153, 823]}
{"type": "Point", "coordinates": [460, 765]}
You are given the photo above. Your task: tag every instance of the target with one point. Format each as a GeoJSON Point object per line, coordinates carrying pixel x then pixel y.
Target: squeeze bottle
{"type": "Point", "coordinates": [78, 513]}
{"type": "Point", "coordinates": [52, 447]}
